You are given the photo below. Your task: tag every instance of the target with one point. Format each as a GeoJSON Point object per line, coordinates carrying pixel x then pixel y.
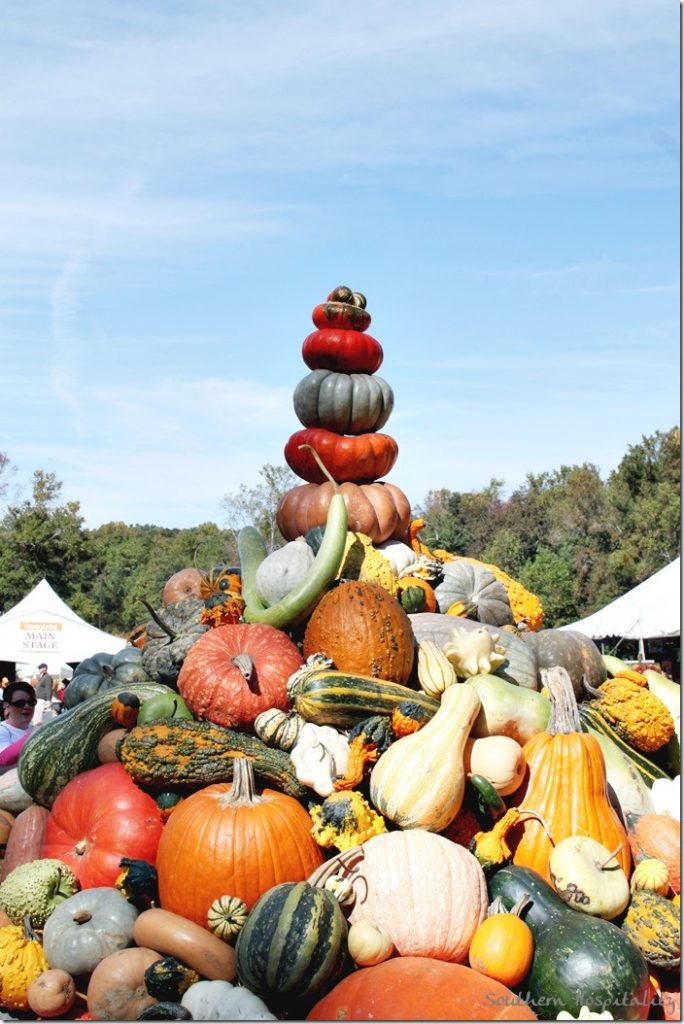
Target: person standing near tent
{"type": "Point", "coordinates": [43, 684]}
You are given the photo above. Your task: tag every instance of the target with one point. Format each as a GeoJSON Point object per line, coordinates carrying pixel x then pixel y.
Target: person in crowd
{"type": "Point", "coordinates": [43, 683]}
{"type": "Point", "coordinates": [20, 702]}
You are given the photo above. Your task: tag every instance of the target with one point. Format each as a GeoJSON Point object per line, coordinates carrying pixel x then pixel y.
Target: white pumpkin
{"type": "Point", "coordinates": [282, 570]}
{"type": "Point", "coordinates": [399, 555]}
{"type": "Point", "coordinates": [219, 1000]}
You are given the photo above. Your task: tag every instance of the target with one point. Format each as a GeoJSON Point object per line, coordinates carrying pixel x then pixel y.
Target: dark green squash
{"type": "Point", "coordinates": [165, 1011]}
{"type": "Point", "coordinates": [412, 600]}
{"type": "Point", "coordinates": [169, 636]}
{"type": "Point", "coordinates": [293, 946]}
{"type": "Point", "coordinates": [138, 883]}
{"type": "Point", "coordinates": [573, 651]}
{"type": "Point", "coordinates": [168, 978]}
{"type": "Point", "coordinates": [314, 537]}
{"type": "Point", "coordinates": [67, 745]}
{"type": "Point", "coordinates": [578, 960]}
{"type": "Point", "coordinates": [105, 672]}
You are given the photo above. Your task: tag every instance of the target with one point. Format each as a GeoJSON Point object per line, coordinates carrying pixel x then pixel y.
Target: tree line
{"type": "Point", "coordinates": [573, 538]}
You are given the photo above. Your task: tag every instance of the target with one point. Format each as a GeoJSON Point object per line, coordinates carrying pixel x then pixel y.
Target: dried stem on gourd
{"type": "Point", "coordinates": [497, 906]}
{"type": "Point", "coordinates": [565, 717]}
{"type": "Point", "coordinates": [321, 465]}
{"type": "Point", "coordinates": [160, 622]}
{"type": "Point", "coordinates": [612, 856]}
{"type": "Point", "coordinates": [243, 791]}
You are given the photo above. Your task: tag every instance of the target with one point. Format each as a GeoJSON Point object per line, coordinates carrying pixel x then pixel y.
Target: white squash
{"type": "Point", "coordinates": [219, 1000]}
{"type": "Point", "coordinates": [282, 570]}
{"type": "Point", "coordinates": [368, 945]}
{"type": "Point", "coordinates": [499, 758]}
{"type": "Point", "coordinates": [587, 876]}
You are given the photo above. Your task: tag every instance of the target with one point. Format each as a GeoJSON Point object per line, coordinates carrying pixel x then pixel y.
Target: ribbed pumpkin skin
{"type": "Point", "coordinates": [209, 850]}
{"type": "Point", "coordinates": [293, 945]}
{"type": "Point", "coordinates": [349, 403]}
{"type": "Point", "coordinates": [379, 510]}
{"type": "Point", "coordinates": [419, 988]}
{"type": "Point", "coordinates": [364, 630]}
{"type": "Point", "coordinates": [348, 351]}
{"type": "Point", "coordinates": [576, 653]}
{"type": "Point", "coordinates": [214, 688]}
{"type": "Point", "coordinates": [571, 765]}
{"type": "Point", "coordinates": [427, 894]}
{"type": "Point", "coordinates": [358, 459]}
{"type": "Point", "coordinates": [473, 584]}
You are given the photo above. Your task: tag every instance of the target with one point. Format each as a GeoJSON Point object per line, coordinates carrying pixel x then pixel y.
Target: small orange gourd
{"type": "Point", "coordinates": [503, 946]}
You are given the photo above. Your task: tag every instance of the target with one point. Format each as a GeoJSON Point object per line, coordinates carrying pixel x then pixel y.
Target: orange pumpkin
{"type": "Point", "coordinates": [227, 839]}
{"type": "Point", "coordinates": [184, 583]}
{"type": "Point", "coordinates": [380, 510]}
{"type": "Point", "coordinates": [364, 630]}
{"type": "Point", "coordinates": [503, 946]}
{"type": "Point", "coordinates": [419, 988]}
{"type": "Point", "coordinates": [657, 835]}
{"type": "Point", "coordinates": [404, 582]}
{"type": "Point", "coordinates": [564, 760]}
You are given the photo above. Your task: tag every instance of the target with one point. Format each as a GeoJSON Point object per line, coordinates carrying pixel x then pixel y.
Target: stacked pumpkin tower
{"type": "Point", "coordinates": [342, 405]}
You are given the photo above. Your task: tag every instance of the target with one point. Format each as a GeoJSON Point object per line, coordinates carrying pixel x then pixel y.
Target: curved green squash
{"type": "Point", "coordinates": [293, 946]}
{"type": "Point", "coordinates": [328, 697]}
{"type": "Point", "coordinates": [578, 960]}
{"type": "Point", "coordinates": [66, 746]}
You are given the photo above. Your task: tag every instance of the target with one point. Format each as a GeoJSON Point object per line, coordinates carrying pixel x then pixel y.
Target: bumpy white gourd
{"type": "Point", "coordinates": [282, 570]}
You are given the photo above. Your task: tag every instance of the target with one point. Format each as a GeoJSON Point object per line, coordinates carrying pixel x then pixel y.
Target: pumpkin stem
{"type": "Point", "coordinates": [160, 622]}
{"type": "Point", "coordinates": [320, 464]}
{"type": "Point", "coordinates": [535, 817]}
{"type": "Point", "coordinates": [565, 717]}
{"type": "Point", "coordinates": [611, 856]}
{"type": "Point", "coordinates": [497, 906]}
{"type": "Point", "coordinates": [82, 917]}
{"type": "Point", "coordinates": [245, 664]}
{"type": "Point", "coordinates": [29, 933]}
{"type": "Point", "coordinates": [591, 690]}
{"type": "Point", "coordinates": [243, 791]}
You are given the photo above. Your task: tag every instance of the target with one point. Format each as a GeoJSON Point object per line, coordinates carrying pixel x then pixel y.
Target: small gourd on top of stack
{"type": "Point", "coordinates": [342, 405]}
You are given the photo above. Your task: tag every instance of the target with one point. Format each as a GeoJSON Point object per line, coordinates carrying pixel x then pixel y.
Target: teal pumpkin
{"type": "Point", "coordinates": [293, 946]}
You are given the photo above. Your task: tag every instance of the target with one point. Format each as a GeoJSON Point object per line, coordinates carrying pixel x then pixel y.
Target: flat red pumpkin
{"type": "Point", "coordinates": [234, 672]}
{"type": "Point", "coordinates": [358, 459]}
{"type": "Point", "coordinates": [345, 351]}
{"type": "Point", "coordinates": [98, 818]}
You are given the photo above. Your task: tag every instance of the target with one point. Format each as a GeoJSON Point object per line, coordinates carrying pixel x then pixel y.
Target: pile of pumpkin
{"type": "Point", "coordinates": [354, 778]}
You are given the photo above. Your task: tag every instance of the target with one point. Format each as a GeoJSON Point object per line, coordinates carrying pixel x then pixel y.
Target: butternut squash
{"type": "Point", "coordinates": [419, 781]}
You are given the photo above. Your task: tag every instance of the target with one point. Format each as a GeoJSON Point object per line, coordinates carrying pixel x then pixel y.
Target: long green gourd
{"type": "Point", "coordinates": [297, 604]}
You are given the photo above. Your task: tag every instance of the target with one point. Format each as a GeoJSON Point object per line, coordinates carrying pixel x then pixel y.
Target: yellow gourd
{"type": "Point", "coordinates": [435, 671]}
{"type": "Point", "coordinates": [636, 714]}
{"type": "Point", "coordinates": [420, 779]}
{"type": "Point", "coordinates": [651, 874]}
{"type": "Point", "coordinates": [21, 961]}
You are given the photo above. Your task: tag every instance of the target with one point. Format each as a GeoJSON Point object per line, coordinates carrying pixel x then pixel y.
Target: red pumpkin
{"type": "Point", "coordinates": [234, 672]}
{"type": "Point", "coordinates": [98, 818]}
{"type": "Point", "coordinates": [342, 350]}
{"type": "Point", "coordinates": [419, 988]}
{"type": "Point", "coordinates": [184, 583]}
{"type": "Point", "coordinates": [378, 510]}
{"type": "Point", "coordinates": [357, 458]}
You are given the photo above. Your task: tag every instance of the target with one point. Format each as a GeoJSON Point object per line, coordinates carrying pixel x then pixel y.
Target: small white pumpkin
{"type": "Point", "coordinates": [219, 1000]}
{"type": "Point", "coordinates": [399, 555]}
{"type": "Point", "coordinates": [368, 945]}
{"type": "Point", "coordinates": [282, 570]}
{"type": "Point", "coordinates": [587, 876]}
{"type": "Point", "coordinates": [499, 758]}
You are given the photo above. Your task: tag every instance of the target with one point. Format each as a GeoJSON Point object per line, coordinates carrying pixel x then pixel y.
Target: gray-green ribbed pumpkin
{"type": "Point", "coordinates": [347, 403]}
{"type": "Point", "coordinates": [104, 672]}
{"type": "Point", "coordinates": [169, 636]}
{"type": "Point", "coordinates": [294, 944]}
{"type": "Point", "coordinates": [483, 597]}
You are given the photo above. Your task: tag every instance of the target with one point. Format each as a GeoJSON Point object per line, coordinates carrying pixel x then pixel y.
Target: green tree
{"type": "Point", "coordinates": [257, 506]}
{"type": "Point", "coordinates": [549, 576]}
{"type": "Point", "coordinates": [41, 538]}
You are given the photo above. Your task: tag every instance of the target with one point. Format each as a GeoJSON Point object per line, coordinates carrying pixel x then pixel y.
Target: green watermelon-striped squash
{"type": "Point", "coordinates": [293, 946]}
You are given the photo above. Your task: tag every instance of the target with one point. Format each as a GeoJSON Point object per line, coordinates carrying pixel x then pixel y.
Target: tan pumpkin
{"type": "Point", "coordinates": [419, 781]}
{"type": "Point", "coordinates": [651, 874]}
{"type": "Point", "coordinates": [364, 630]}
{"type": "Point", "coordinates": [380, 510]}
{"type": "Point", "coordinates": [52, 993]}
{"type": "Point", "coordinates": [427, 894]}
{"type": "Point", "coordinates": [26, 839]}
{"type": "Point", "coordinates": [368, 945]}
{"type": "Point", "coordinates": [116, 989]}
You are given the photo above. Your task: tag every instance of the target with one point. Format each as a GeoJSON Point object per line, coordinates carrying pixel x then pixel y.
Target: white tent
{"type": "Point", "coordinates": [649, 611]}
{"type": "Point", "coordinates": [41, 627]}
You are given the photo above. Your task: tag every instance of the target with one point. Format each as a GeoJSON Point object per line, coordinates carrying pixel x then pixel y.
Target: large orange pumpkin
{"type": "Point", "coordinates": [379, 510]}
{"type": "Point", "coordinates": [418, 988]}
{"type": "Point", "coordinates": [227, 840]}
{"type": "Point", "coordinates": [566, 785]}
{"type": "Point", "coordinates": [234, 672]}
{"type": "Point", "coordinates": [364, 630]}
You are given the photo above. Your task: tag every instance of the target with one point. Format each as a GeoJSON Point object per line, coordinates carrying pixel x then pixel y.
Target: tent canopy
{"type": "Point", "coordinates": [41, 627]}
{"type": "Point", "coordinates": [649, 611]}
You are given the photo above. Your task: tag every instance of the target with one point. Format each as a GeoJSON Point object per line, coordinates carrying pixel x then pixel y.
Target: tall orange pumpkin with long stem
{"type": "Point", "coordinates": [566, 785]}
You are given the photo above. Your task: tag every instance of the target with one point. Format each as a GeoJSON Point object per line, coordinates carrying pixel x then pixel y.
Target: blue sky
{"type": "Point", "coordinates": [183, 182]}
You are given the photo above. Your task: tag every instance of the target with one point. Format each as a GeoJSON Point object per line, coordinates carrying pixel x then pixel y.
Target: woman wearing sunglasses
{"type": "Point", "coordinates": [20, 703]}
